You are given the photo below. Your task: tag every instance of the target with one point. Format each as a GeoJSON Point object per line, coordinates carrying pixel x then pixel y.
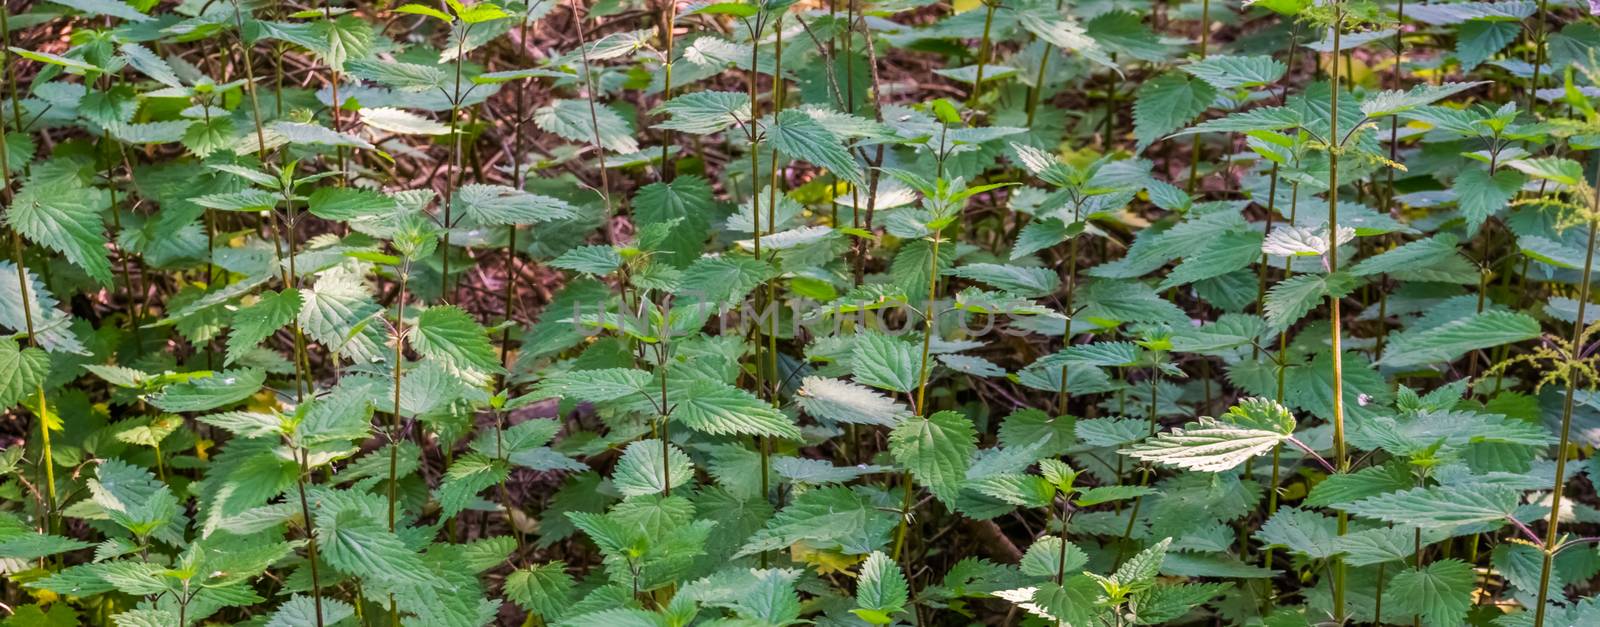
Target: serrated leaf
{"type": "Point", "coordinates": [1441, 592]}
{"type": "Point", "coordinates": [1208, 445]}
{"type": "Point", "coordinates": [1227, 72]}
{"type": "Point", "coordinates": [209, 392]}
{"type": "Point", "coordinates": [1445, 342]}
{"type": "Point", "coordinates": [1167, 102]}
{"type": "Point", "coordinates": [800, 136]}
{"type": "Point", "coordinates": [717, 408]}
{"type": "Point", "coordinates": [449, 334]}
{"type": "Point", "coordinates": [571, 120]}
{"type": "Point", "coordinates": [63, 215]}
{"type": "Point", "coordinates": [1439, 506]}
{"type": "Point", "coordinates": [260, 320]}
{"type": "Point", "coordinates": [401, 122]}
{"type": "Point", "coordinates": [936, 450]}
{"type": "Point", "coordinates": [851, 403]}
{"type": "Point", "coordinates": [881, 588]}
{"type": "Point", "coordinates": [885, 362]}
{"type": "Point", "coordinates": [502, 205]}
{"type": "Point", "coordinates": [22, 371]}
{"type": "Point", "coordinates": [644, 470]}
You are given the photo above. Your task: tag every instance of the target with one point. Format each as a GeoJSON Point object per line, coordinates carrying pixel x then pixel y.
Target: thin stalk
{"type": "Point", "coordinates": [1037, 89]}
{"type": "Point", "coordinates": [1552, 532]}
{"type": "Point", "coordinates": [511, 230]}
{"type": "Point", "coordinates": [669, 16]}
{"type": "Point", "coordinates": [52, 520]}
{"type": "Point", "coordinates": [1340, 460]}
{"type": "Point", "coordinates": [333, 84]}
{"type": "Point", "coordinates": [394, 418]}
{"type": "Point", "coordinates": [762, 445]}
{"type": "Point", "coordinates": [922, 391]}
{"type": "Point", "coordinates": [454, 180]}
{"type": "Point", "coordinates": [594, 114]}
{"type": "Point", "coordinates": [1205, 39]}
{"type": "Point", "coordinates": [1538, 55]}
{"type": "Point", "coordinates": [983, 52]}
{"type": "Point", "coordinates": [311, 538]}
{"type": "Point", "coordinates": [1064, 395]}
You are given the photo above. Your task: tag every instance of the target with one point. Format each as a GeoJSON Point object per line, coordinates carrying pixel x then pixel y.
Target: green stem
{"type": "Point", "coordinates": [1341, 462]}
{"type": "Point", "coordinates": [1552, 532]}
{"type": "Point", "coordinates": [311, 538]}
{"type": "Point", "coordinates": [983, 52]}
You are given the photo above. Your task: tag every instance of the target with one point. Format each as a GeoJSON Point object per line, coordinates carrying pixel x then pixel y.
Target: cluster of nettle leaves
{"type": "Point", "coordinates": [284, 420]}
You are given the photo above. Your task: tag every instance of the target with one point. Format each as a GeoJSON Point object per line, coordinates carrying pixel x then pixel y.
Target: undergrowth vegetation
{"type": "Point", "coordinates": [638, 313]}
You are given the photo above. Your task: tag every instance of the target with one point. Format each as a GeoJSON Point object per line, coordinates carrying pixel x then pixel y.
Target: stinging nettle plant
{"type": "Point", "coordinates": [772, 313]}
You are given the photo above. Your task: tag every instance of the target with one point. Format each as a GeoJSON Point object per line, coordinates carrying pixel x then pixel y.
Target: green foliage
{"type": "Point", "coordinates": [750, 313]}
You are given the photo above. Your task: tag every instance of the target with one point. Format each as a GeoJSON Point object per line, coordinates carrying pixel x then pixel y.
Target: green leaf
{"type": "Point", "coordinates": [721, 281]}
{"type": "Point", "coordinates": [885, 362]}
{"type": "Point", "coordinates": [114, 8]}
{"type": "Point", "coordinates": [448, 333]}
{"type": "Point", "coordinates": [1441, 592]}
{"type": "Point", "coordinates": [209, 391]}
{"type": "Point", "coordinates": [1259, 119]}
{"type": "Point", "coordinates": [1563, 171]}
{"type": "Point", "coordinates": [800, 136]}
{"type": "Point", "coordinates": [1019, 280]}
{"type": "Point", "coordinates": [851, 403]}
{"type": "Point", "coordinates": [501, 205]}
{"type": "Point", "coordinates": [401, 122]}
{"type": "Point", "coordinates": [466, 477]}
{"type": "Point", "coordinates": [1391, 102]}
{"type": "Point", "coordinates": [1439, 506]}
{"type": "Point", "coordinates": [714, 407]}
{"type": "Point", "coordinates": [1303, 531]}
{"type": "Point", "coordinates": [63, 215]}
{"type": "Point", "coordinates": [357, 545]}
{"type": "Point", "coordinates": [1227, 72]}
{"type": "Point", "coordinates": [1447, 341]}
{"type": "Point", "coordinates": [1229, 251]}
{"type": "Point", "coordinates": [301, 610]}
{"type": "Point", "coordinates": [1208, 445]}
{"type": "Point", "coordinates": [571, 120]}
{"type": "Point", "coordinates": [1482, 196]}
{"type": "Point", "coordinates": [544, 589]}
{"type": "Point", "coordinates": [1477, 40]}
{"type": "Point", "coordinates": [1167, 102]}
{"type": "Point", "coordinates": [704, 112]}
{"type": "Point", "coordinates": [644, 470]}
{"type": "Point", "coordinates": [881, 590]}
{"type": "Point", "coordinates": [22, 371]}
{"type": "Point", "coordinates": [598, 260]}
{"type": "Point", "coordinates": [1291, 299]}
{"type": "Point", "coordinates": [593, 386]}
{"type": "Point", "coordinates": [1367, 482]}
{"type": "Point", "coordinates": [259, 321]}
{"type": "Point", "coordinates": [1125, 32]}
{"type": "Point", "coordinates": [936, 450]}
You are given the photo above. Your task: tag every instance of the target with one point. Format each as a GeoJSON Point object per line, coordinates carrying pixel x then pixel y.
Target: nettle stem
{"type": "Point", "coordinates": [394, 417]}
{"type": "Point", "coordinates": [594, 112]}
{"type": "Point", "coordinates": [311, 538]}
{"type": "Point", "coordinates": [762, 446]}
{"type": "Point", "coordinates": [922, 390]}
{"type": "Point", "coordinates": [983, 52]}
{"type": "Point", "coordinates": [454, 180]}
{"type": "Point", "coordinates": [1341, 461]}
{"type": "Point", "coordinates": [669, 14]}
{"type": "Point", "coordinates": [1552, 532]}
{"type": "Point", "coordinates": [1205, 40]}
{"type": "Point", "coordinates": [1037, 90]}
{"type": "Point", "coordinates": [18, 248]}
